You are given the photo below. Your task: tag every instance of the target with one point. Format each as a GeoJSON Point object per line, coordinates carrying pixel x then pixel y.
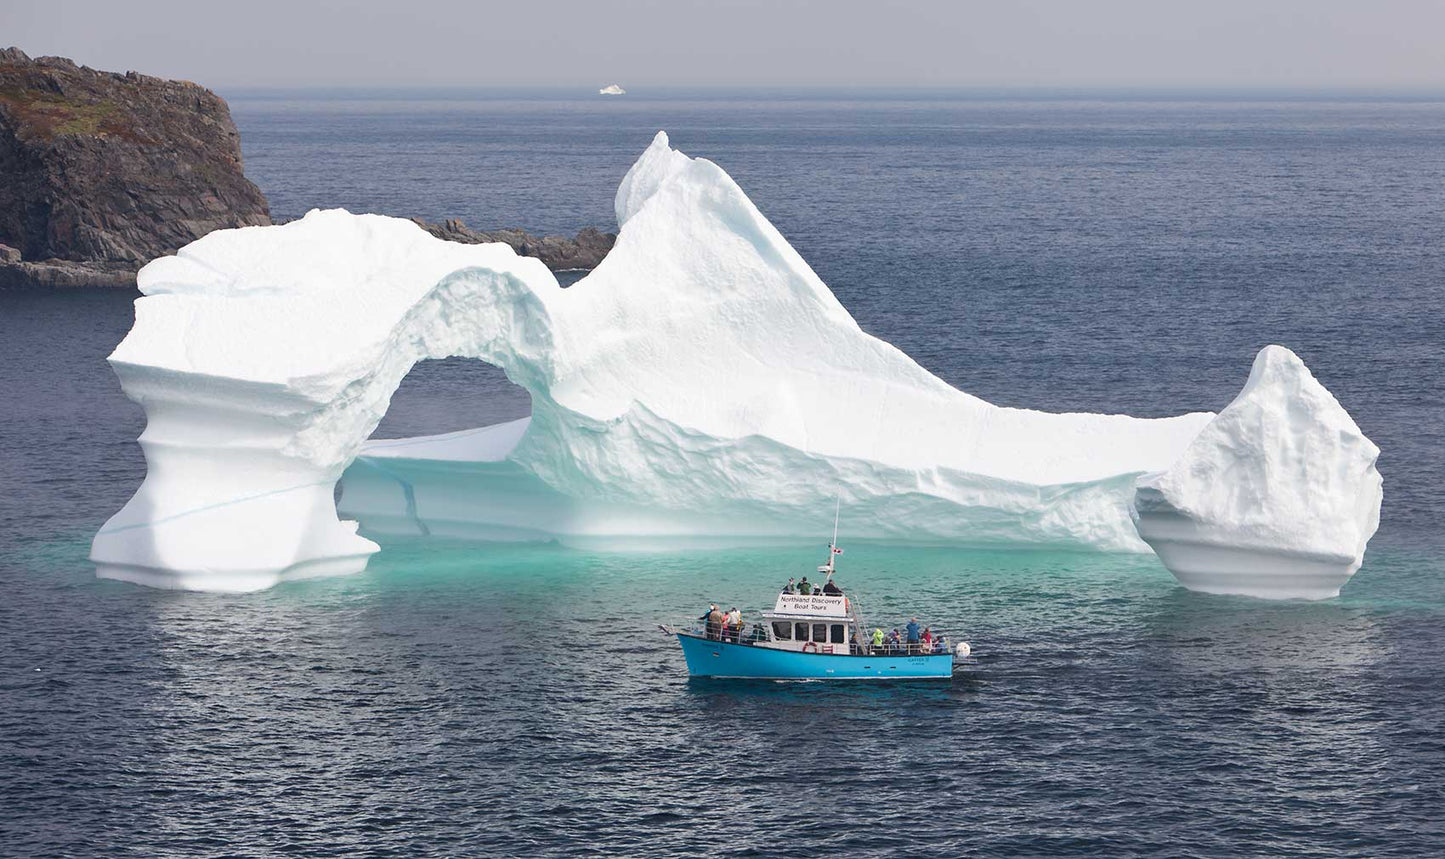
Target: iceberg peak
{"type": "Point", "coordinates": [657, 164]}
{"type": "Point", "coordinates": [1276, 497]}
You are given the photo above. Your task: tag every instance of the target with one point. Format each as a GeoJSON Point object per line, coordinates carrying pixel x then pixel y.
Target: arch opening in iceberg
{"type": "Point", "coordinates": [444, 395]}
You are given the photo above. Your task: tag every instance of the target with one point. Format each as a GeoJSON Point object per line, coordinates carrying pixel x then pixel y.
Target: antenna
{"type": "Point", "coordinates": [837, 506]}
{"type": "Point", "coordinates": [833, 549]}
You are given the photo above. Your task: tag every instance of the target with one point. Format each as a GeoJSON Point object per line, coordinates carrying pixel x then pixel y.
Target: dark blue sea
{"type": "Point", "coordinates": [1102, 254]}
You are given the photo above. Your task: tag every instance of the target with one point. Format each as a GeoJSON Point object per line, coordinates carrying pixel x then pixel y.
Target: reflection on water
{"type": "Point", "coordinates": [1238, 633]}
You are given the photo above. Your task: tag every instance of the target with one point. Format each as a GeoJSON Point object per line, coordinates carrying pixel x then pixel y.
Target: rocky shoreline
{"type": "Point", "coordinates": [559, 253]}
{"type": "Point", "coordinates": [101, 172]}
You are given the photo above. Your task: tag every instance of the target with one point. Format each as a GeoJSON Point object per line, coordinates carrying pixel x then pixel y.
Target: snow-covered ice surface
{"type": "Point", "coordinates": [702, 383]}
{"type": "Point", "coordinates": [1276, 497]}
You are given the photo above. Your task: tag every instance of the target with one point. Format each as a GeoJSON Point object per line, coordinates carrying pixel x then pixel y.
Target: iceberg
{"type": "Point", "coordinates": [612, 89]}
{"type": "Point", "coordinates": [701, 384]}
{"type": "Point", "coordinates": [1275, 498]}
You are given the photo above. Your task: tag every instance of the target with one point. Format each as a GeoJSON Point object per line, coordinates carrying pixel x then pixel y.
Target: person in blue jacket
{"type": "Point", "coordinates": [913, 635]}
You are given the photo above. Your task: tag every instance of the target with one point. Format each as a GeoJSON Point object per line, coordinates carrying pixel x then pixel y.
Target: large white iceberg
{"type": "Point", "coordinates": [701, 383]}
{"type": "Point", "coordinates": [1276, 497]}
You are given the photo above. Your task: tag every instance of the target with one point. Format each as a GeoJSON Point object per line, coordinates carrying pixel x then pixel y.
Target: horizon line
{"type": "Point", "coordinates": [1122, 92]}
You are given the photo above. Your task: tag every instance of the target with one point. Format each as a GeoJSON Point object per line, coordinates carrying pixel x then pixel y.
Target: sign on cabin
{"type": "Point", "coordinates": [814, 604]}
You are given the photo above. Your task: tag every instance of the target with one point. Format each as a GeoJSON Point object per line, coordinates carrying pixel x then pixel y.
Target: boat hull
{"type": "Point", "coordinates": [707, 658]}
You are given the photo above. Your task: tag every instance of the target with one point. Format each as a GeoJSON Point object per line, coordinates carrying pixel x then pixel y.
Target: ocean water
{"type": "Point", "coordinates": [465, 699]}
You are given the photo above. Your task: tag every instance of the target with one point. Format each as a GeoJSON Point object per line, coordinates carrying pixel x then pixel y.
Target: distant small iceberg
{"type": "Point", "coordinates": [612, 89]}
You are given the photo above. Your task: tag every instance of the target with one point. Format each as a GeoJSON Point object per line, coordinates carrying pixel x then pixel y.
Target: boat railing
{"type": "Point", "coordinates": [732, 634]}
{"type": "Point", "coordinates": [756, 634]}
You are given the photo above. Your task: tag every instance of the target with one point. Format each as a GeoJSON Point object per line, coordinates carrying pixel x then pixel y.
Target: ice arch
{"type": "Point", "coordinates": [702, 380]}
{"type": "Point", "coordinates": [259, 393]}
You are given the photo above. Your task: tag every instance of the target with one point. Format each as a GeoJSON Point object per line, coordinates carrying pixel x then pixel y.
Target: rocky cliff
{"type": "Point", "coordinates": [101, 172]}
{"type": "Point", "coordinates": [559, 253]}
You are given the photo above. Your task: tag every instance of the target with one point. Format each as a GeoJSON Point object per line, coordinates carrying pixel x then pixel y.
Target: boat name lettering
{"type": "Point", "coordinates": [810, 603]}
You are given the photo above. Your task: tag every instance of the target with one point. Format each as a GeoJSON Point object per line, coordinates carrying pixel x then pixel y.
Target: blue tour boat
{"type": "Point", "coordinates": [809, 637]}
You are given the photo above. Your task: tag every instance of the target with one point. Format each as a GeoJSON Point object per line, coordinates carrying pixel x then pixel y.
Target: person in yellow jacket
{"type": "Point", "coordinates": [877, 640]}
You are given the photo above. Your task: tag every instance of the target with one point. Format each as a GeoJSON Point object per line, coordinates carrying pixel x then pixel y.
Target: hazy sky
{"type": "Point", "coordinates": [641, 43]}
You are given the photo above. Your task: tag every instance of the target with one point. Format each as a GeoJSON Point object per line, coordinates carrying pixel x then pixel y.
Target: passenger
{"type": "Point", "coordinates": [830, 589]}
{"type": "Point", "coordinates": [878, 639]}
{"type": "Point", "coordinates": [895, 643]}
{"type": "Point", "coordinates": [912, 630]}
{"type": "Point", "coordinates": [735, 624]}
{"type": "Point", "coordinates": [940, 644]}
{"type": "Point", "coordinates": [927, 639]}
{"type": "Point", "coordinates": [790, 587]}
{"type": "Point", "coordinates": [715, 619]}
{"type": "Point", "coordinates": [805, 587]}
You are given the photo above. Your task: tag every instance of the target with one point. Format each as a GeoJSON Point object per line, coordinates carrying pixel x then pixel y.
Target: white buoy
{"type": "Point", "coordinates": [962, 650]}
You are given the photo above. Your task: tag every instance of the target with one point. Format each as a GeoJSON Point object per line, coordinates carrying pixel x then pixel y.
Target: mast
{"type": "Point", "coordinates": [837, 506]}
{"type": "Point", "coordinates": [833, 546]}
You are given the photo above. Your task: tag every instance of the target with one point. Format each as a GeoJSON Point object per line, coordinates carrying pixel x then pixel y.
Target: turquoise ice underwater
{"type": "Point", "coordinates": [435, 703]}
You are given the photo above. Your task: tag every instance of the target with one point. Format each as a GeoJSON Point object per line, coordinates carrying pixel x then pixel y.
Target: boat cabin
{"type": "Point", "coordinates": [814, 623]}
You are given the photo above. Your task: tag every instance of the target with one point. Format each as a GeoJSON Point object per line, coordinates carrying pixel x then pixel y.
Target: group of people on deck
{"type": "Point", "coordinates": [913, 642]}
{"type": "Point", "coordinates": [805, 587]}
{"type": "Point", "coordinates": [723, 625]}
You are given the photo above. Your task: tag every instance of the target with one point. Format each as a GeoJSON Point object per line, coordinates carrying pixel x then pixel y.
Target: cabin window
{"type": "Point", "coordinates": [782, 630]}
{"type": "Point", "coordinates": [837, 633]}
{"type": "Point", "coordinates": [820, 632]}
{"type": "Point", "coordinates": [801, 633]}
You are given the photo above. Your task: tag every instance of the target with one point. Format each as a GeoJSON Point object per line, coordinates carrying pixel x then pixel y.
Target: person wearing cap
{"type": "Point", "coordinates": [805, 587]}
{"type": "Point", "coordinates": [791, 587]}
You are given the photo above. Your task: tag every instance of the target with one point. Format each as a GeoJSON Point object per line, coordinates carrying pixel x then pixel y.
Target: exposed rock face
{"type": "Point", "coordinates": [102, 172]}
{"type": "Point", "coordinates": [557, 252]}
